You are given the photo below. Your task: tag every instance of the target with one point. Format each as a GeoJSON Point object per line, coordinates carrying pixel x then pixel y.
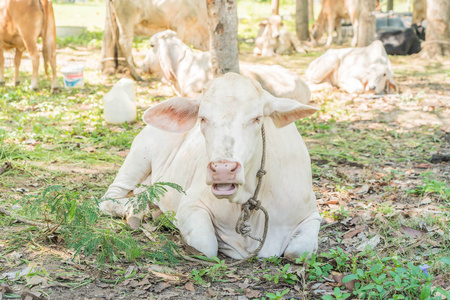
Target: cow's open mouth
{"type": "Point", "coordinates": [224, 189]}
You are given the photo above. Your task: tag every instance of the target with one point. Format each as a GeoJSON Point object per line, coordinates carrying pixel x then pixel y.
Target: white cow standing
{"type": "Point", "coordinates": [212, 147]}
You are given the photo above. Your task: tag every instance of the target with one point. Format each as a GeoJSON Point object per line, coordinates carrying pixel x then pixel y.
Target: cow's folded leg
{"type": "Point", "coordinates": [134, 171]}
{"type": "Point", "coordinates": [305, 238]}
{"type": "Point", "coordinates": [351, 85]}
{"type": "Point", "coordinates": [198, 231]}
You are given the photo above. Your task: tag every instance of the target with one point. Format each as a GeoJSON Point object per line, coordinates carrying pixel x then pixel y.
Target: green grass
{"type": "Point", "coordinates": [91, 15]}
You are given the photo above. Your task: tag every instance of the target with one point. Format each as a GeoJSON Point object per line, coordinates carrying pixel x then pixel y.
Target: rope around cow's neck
{"type": "Point", "coordinates": [242, 225]}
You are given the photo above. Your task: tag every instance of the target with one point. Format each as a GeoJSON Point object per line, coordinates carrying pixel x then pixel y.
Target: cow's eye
{"type": "Point", "coordinates": [257, 120]}
{"type": "Point", "coordinates": [384, 74]}
{"type": "Point", "coordinates": [202, 119]}
{"type": "Point", "coordinates": [152, 45]}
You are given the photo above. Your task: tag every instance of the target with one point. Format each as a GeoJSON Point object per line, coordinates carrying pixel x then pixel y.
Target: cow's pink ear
{"type": "Point", "coordinates": [174, 115]}
{"type": "Point", "coordinates": [392, 86]}
{"type": "Point", "coordinates": [285, 111]}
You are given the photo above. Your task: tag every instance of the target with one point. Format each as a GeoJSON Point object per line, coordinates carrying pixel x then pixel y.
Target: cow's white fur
{"type": "Point", "coordinates": [225, 123]}
{"type": "Point", "coordinates": [354, 70]}
{"type": "Point", "coordinates": [187, 17]}
{"type": "Point", "coordinates": [272, 39]}
{"type": "Point", "coordinates": [188, 72]}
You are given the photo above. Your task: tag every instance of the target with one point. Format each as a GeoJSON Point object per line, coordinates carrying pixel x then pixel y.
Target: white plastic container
{"type": "Point", "coordinates": [119, 105]}
{"type": "Point", "coordinates": [73, 76]}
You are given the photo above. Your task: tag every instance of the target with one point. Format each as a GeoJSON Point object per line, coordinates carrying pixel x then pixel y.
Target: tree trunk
{"type": "Point", "coordinates": [275, 5]}
{"type": "Point", "coordinates": [366, 22]}
{"type": "Point", "coordinates": [223, 25]}
{"type": "Point", "coordinates": [301, 19]}
{"type": "Point", "coordinates": [437, 41]}
{"type": "Point", "coordinates": [390, 5]}
{"type": "Point", "coordinates": [311, 10]}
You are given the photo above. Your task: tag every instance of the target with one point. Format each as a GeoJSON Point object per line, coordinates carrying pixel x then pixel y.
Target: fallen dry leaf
{"type": "Point", "coordinates": [211, 293]}
{"type": "Point", "coordinates": [251, 294]}
{"type": "Point", "coordinates": [362, 190]}
{"type": "Point", "coordinates": [338, 278]}
{"type": "Point", "coordinates": [410, 231]}
{"type": "Point", "coordinates": [351, 233]}
{"type": "Point", "coordinates": [189, 286]}
{"type": "Point", "coordinates": [161, 286]}
{"type": "Point", "coordinates": [165, 276]}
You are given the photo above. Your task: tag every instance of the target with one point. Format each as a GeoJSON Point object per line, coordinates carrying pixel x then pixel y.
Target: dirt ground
{"type": "Point", "coordinates": [358, 190]}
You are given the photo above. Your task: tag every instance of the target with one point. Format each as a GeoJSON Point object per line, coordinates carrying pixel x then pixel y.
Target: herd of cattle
{"type": "Point", "coordinates": [220, 139]}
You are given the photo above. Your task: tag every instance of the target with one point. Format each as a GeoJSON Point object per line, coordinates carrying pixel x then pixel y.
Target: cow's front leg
{"type": "Point", "coordinates": [17, 60]}
{"type": "Point", "coordinates": [198, 231]}
{"type": "Point", "coordinates": [2, 65]}
{"type": "Point", "coordinates": [330, 32]}
{"type": "Point", "coordinates": [135, 170]}
{"type": "Point", "coordinates": [339, 31]}
{"type": "Point", "coordinates": [351, 85]}
{"type": "Point", "coordinates": [305, 239]}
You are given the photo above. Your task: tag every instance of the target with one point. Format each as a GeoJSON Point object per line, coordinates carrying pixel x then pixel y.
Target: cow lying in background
{"type": "Point", "coordinates": [188, 72]}
{"type": "Point", "coordinates": [401, 41]}
{"type": "Point", "coordinates": [212, 148]}
{"type": "Point", "coordinates": [330, 16]}
{"type": "Point", "coordinates": [272, 39]}
{"type": "Point", "coordinates": [21, 24]}
{"type": "Point", "coordinates": [187, 17]}
{"type": "Point", "coordinates": [354, 70]}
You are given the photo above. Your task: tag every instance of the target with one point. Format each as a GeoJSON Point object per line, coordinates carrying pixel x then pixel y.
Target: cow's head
{"type": "Point", "coordinates": [379, 79]}
{"type": "Point", "coordinates": [230, 112]}
{"type": "Point", "coordinates": [163, 55]}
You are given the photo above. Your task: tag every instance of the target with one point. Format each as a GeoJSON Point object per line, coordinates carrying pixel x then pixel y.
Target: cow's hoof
{"type": "Point", "coordinates": [17, 83]}
{"type": "Point", "coordinates": [134, 222]}
{"type": "Point", "coordinates": [55, 90]}
{"type": "Point", "coordinates": [2, 83]}
{"type": "Point", "coordinates": [108, 71]}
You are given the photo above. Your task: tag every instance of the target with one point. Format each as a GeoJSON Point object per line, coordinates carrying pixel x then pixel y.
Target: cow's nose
{"type": "Point", "coordinates": [276, 35]}
{"type": "Point", "coordinates": [224, 170]}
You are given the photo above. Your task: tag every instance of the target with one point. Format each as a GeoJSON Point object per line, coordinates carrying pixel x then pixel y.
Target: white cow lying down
{"type": "Point", "coordinates": [212, 147]}
{"type": "Point", "coordinates": [188, 72]}
{"type": "Point", "coordinates": [354, 70]}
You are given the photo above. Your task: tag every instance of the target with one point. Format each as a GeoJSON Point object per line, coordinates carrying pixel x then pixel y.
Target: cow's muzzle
{"type": "Point", "coordinates": [223, 176]}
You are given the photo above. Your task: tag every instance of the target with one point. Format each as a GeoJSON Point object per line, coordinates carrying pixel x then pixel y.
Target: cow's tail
{"type": "Point", "coordinates": [48, 32]}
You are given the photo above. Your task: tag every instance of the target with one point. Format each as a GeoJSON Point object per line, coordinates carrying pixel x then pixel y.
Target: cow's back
{"type": "Point", "coordinates": [187, 17]}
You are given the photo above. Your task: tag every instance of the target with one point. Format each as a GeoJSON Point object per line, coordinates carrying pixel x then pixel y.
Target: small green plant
{"type": "Point", "coordinates": [337, 214]}
{"type": "Point", "coordinates": [337, 295]}
{"type": "Point", "coordinates": [431, 186]}
{"type": "Point", "coordinates": [276, 296]}
{"type": "Point", "coordinates": [210, 274]}
{"type": "Point", "coordinates": [315, 270]}
{"type": "Point", "coordinates": [282, 275]}
{"type": "Point", "coordinates": [273, 260]}
{"type": "Point", "coordinates": [341, 258]}
{"type": "Point", "coordinates": [75, 219]}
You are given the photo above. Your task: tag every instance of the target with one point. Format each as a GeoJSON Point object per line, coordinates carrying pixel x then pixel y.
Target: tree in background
{"type": "Point", "coordinates": [366, 22]}
{"type": "Point", "coordinates": [390, 5]}
{"type": "Point", "coordinates": [301, 19]}
{"type": "Point", "coordinates": [275, 7]}
{"type": "Point", "coordinates": [223, 29]}
{"type": "Point", "coordinates": [437, 42]}
{"type": "Point", "coordinates": [311, 10]}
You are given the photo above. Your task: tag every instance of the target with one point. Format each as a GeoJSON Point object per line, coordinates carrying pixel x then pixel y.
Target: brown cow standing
{"type": "Point", "coordinates": [22, 22]}
{"type": "Point", "coordinates": [330, 16]}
